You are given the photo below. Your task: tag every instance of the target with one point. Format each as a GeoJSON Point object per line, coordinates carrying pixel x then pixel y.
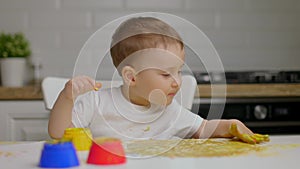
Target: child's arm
{"type": "Point", "coordinates": [61, 113]}
{"type": "Point", "coordinates": [228, 129]}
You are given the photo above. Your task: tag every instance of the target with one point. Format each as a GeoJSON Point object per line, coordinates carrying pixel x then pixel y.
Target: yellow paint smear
{"type": "Point", "coordinates": [200, 148]}
{"type": "Point", "coordinates": [147, 129]}
{"type": "Point", "coordinates": [6, 154]}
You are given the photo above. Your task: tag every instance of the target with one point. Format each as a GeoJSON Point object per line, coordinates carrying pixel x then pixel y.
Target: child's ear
{"type": "Point", "coordinates": [128, 74]}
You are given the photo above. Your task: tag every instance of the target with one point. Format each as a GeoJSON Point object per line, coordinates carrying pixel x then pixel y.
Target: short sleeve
{"type": "Point", "coordinates": [187, 123]}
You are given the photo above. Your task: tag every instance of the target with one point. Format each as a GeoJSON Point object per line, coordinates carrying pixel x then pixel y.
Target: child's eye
{"type": "Point", "coordinates": [166, 74]}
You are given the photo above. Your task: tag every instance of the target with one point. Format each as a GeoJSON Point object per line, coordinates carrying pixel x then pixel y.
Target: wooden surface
{"type": "Point", "coordinates": [21, 93]}
{"type": "Point", "coordinates": [232, 91]}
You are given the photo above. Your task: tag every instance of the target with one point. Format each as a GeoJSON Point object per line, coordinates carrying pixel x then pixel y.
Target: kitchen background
{"type": "Point", "coordinates": [248, 34]}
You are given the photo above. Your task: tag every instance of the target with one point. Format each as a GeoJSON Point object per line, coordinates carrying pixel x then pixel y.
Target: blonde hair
{"type": "Point", "coordinates": [141, 33]}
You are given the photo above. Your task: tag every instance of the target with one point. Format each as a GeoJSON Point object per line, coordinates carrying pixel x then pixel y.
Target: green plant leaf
{"type": "Point", "coordinates": [14, 45]}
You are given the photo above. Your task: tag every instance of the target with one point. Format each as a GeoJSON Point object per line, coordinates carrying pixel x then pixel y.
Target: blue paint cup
{"type": "Point", "coordinates": [58, 155]}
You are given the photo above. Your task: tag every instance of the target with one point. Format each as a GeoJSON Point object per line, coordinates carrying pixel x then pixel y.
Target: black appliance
{"type": "Point", "coordinates": [248, 77]}
{"type": "Point", "coordinates": [273, 115]}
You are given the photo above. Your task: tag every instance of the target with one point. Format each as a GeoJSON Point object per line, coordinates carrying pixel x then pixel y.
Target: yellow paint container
{"type": "Point", "coordinates": [80, 137]}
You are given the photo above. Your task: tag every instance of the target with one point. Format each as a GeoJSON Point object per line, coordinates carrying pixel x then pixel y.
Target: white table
{"type": "Point", "coordinates": [26, 156]}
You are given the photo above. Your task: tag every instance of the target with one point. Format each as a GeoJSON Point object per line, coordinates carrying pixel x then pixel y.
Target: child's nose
{"type": "Point", "coordinates": [176, 82]}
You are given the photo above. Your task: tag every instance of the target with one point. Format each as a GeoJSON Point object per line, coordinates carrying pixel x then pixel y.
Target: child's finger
{"type": "Point", "coordinates": [265, 136]}
{"type": "Point", "coordinates": [233, 130]}
{"type": "Point", "coordinates": [93, 85]}
{"type": "Point", "coordinates": [89, 80]}
{"type": "Point", "coordinates": [261, 138]}
{"type": "Point", "coordinates": [97, 86]}
{"type": "Point", "coordinates": [248, 139]}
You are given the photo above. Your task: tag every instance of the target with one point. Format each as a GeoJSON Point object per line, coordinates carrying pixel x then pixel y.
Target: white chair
{"type": "Point", "coordinates": [51, 87]}
{"type": "Point", "coordinates": [188, 89]}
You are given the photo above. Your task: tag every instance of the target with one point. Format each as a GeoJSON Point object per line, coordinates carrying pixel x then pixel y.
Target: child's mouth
{"type": "Point", "coordinates": [171, 94]}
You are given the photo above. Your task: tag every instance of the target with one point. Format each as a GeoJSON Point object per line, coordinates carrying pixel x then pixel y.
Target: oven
{"type": "Point", "coordinates": [266, 115]}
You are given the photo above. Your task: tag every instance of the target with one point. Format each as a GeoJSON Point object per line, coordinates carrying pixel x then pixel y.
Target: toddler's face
{"type": "Point", "coordinates": [158, 75]}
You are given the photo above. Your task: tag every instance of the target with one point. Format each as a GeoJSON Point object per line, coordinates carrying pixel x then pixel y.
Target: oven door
{"type": "Point", "coordinates": [263, 115]}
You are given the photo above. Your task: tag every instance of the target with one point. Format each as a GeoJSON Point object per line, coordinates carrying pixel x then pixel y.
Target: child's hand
{"type": "Point", "coordinates": [80, 85]}
{"type": "Point", "coordinates": [248, 138]}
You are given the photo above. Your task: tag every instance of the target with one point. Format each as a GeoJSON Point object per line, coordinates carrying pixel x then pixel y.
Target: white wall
{"type": "Point", "coordinates": [248, 34]}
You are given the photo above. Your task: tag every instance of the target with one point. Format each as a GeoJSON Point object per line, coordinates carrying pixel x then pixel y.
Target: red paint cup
{"type": "Point", "coordinates": [106, 151]}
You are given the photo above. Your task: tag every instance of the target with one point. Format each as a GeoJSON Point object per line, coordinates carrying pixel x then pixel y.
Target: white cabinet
{"type": "Point", "coordinates": [23, 121]}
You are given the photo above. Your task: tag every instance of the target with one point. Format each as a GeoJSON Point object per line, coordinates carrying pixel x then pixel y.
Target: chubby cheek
{"type": "Point", "coordinates": [152, 90]}
{"type": "Point", "coordinates": [153, 86]}
{"type": "Point", "coordinates": [157, 96]}
{"type": "Point", "coordinates": [161, 95]}
{"type": "Point", "coordinates": [159, 83]}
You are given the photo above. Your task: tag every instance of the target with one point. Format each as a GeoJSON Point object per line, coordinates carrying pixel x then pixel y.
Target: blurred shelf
{"type": "Point", "coordinates": [232, 91]}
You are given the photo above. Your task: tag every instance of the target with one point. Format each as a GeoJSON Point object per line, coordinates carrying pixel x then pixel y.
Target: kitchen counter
{"type": "Point", "coordinates": [21, 93]}
{"type": "Point", "coordinates": [251, 90]}
{"type": "Point", "coordinates": [233, 91]}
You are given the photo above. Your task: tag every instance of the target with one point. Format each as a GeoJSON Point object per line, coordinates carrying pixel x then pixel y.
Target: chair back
{"type": "Point", "coordinates": [188, 89]}
{"type": "Point", "coordinates": [52, 86]}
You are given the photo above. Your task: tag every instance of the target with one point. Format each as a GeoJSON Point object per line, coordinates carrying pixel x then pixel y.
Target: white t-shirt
{"type": "Point", "coordinates": [108, 113]}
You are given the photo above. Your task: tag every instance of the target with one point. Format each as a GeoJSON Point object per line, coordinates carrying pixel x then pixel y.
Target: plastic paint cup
{"type": "Point", "coordinates": [58, 155]}
{"type": "Point", "coordinates": [106, 151]}
{"type": "Point", "coordinates": [81, 138]}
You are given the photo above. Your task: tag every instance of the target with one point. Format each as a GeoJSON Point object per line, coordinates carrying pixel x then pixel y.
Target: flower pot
{"type": "Point", "coordinates": [12, 71]}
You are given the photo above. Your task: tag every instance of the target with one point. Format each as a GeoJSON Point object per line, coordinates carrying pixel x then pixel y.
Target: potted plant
{"type": "Point", "coordinates": [14, 49]}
